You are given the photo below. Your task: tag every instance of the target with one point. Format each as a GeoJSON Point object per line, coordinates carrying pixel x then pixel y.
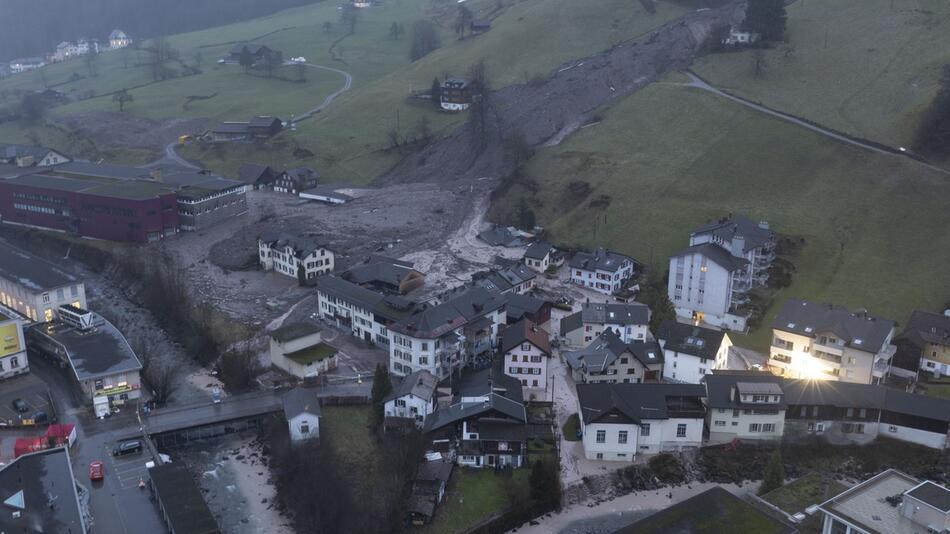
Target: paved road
{"type": "Point", "coordinates": [347, 83]}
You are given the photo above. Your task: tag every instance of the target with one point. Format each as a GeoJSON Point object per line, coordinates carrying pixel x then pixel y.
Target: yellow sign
{"type": "Point", "coordinates": [10, 339]}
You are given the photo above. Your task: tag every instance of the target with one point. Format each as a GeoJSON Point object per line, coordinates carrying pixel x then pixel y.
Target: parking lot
{"type": "Point", "coordinates": [34, 394]}
{"type": "Point", "coordinates": [125, 470]}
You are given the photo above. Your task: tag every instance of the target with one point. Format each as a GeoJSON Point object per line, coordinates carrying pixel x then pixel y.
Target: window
{"type": "Point", "coordinates": [526, 346]}
{"type": "Point", "coordinates": [719, 423]}
{"type": "Point", "coordinates": [681, 430]}
{"type": "Point", "coordinates": [768, 427]}
{"type": "Point", "coordinates": [735, 413]}
{"type": "Point", "coordinates": [534, 383]}
{"type": "Point", "coordinates": [754, 427]}
{"type": "Point", "coordinates": [304, 428]}
{"type": "Point", "coordinates": [820, 427]}
{"type": "Point", "coordinates": [624, 361]}
{"type": "Point", "coordinates": [45, 298]}
{"type": "Point", "coordinates": [514, 357]}
{"type": "Point", "coordinates": [601, 436]}
{"type": "Point", "coordinates": [837, 527]}
{"type": "Point", "coordinates": [645, 429]}
{"type": "Point", "coordinates": [622, 437]}
{"type": "Point", "coordinates": [400, 402]}
{"type": "Point", "coordinates": [600, 456]}
{"type": "Point", "coordinates": [423, 360]}
{"type": "Point", "coordinates": [425, 346]}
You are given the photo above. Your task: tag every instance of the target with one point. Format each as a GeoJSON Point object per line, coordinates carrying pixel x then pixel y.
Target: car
{"type": "Point", "coordinates": [97, 470]}
{"type": "Point", "coordinates": [221, 62]}
{"type": "Point", "coordinates": [127, 447]}
{"type": "Point", "coordinates": [20, 405]}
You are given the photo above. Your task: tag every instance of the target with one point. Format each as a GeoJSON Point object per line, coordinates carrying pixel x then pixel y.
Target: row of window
{"type": "Point", "coordinates": [525, 358]}
{"type": "Point", "coordinates": [524, 371]}
{"type": "Point", "coordinates": [34, 208]}
{"type": "Point", "coordinates": [601, 436]}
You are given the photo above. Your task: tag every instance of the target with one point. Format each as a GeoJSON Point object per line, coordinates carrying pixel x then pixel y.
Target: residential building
{"type": "Point", "coordinates": [31, 156]}
{"type": "Point", "coordinates": [102, 362]}
{"type": "Point", "coordinates": [500, 236]}
{"type": "Point", "coordinates": [228, 131]}
{"type": "Point", "coordinates": [742, 238]}
{"type": "Point", "coordinates": [890, 502]}
{"type": "Point", "coordinates": [180, 501]}
{"type": "Point", "coordinates": [457, 94]}
{"type": "Point", "coordinates": [608, 359]}
{"type": "Point", "coordinates": [484, 422]}
{"type": "Point", "coordinates": [295, 180]}
{"type": "Point", "coordinates": [367, 314]}
{"type": "Point", "coordinates": [511, 278]}
{"type": "Point", "coordinates": [539, 256]}
{"type": "Point", "coordinates": [260, 54]}
{"type": "Point", "coordinates": [26, 64]}
{"type": "Point", "coordinates": [263, 127]}
{"type": "Point", "coordinates": [737, 37]}
{"type": "Point", "coordinates": [119, 39]}
{"type": "Point", "coordinates": [412, 399]}
{"type": "Point", "coordinates": [302, 411]}
{"type": "Point", "coordinates": [257, 176]}
{"type": "Point", "coordinates": [692, 352]}
{"type": "Point", "coordinates": [603, 270]}
{"type": "Point", "coordinates": [386, 275]}
{"type": "Point", "coordinates": [443, 338]}
{"type": "Point", "coordinates": [13, 360]}
{"type": "Point", "coordinates": [518, 307]}
{"type": "Point", "coordinates": [298, 349]}
{"type": "Point", "coordinates": [526, 349]}
{"type": "Point", "coordinates": [619, 421]}
{"type": "Point", "coordinates": [428, 489]}
{"type": "Point", "coordinates": [744, 405]}
{"type": "Point", "coordinates": [39, 494]}
{"type": "Point", "coordinates": [811, 340]}
{"type": "Point", "coordinates": [300, 257]}
{"type": "Point", "coordinates": [87, 46]}
{"type": "Point", "coordinates": [923, 345]}
{"type": "Point", "coordinates": [630, 321]}
{"type": "Point", "coordinates": [36, 288]}
{"type": "Point", "coordinates": [708, 285]}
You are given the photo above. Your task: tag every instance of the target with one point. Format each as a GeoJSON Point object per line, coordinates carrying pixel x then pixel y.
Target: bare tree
{"type": "Point", "coordinates": [759, 65]}
{"type": "Point", "coordinates": [463, 20]}
{"type": "Point", "coordinates": [349, 16]}
{"type": "Point", "coordinates": [162, 377]}
{"type": "Point", "coordinates": [425, 39]}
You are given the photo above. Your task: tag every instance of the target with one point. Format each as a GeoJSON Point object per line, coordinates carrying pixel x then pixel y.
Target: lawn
{"type": "Point", "coordinates": [671, 158]}
{"type": "Point", "coordinates": [711, 512]}
{"type": "Point", "coordinates": [570, 428]}
{"type": "Point", "coordinates": [866, 67]}
{"type": "Point", "coordinates": [938, 390]}
{"type": "Point", "coordinates": [810, 489]}
{"type": "Point", "coordinates": [348, 427]}
{"type": "Point", "coordinates": [474, 495]}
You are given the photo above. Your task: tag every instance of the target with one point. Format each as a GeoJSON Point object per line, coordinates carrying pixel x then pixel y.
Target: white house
{"type": "Point", "coordinates": [539, 256]}
{"type": "Point", "coordinates": [526, 349]}
{"type": "Point", "coordinates": [609, 359]}
{"type": "Point", "coordinates": [514, 277]}
{"type": "Point", "coordinates": [692, 352]}
{"type": "Point", "coordinates": [36, 288]}
{"type": "Point", "coordinates": [24, 64]}
{"type": "Point", "coordinates": [297, 349]}
{"type": "Point", "coordinates": [812, 340]}
{"type": "Point", "coordinates": [413, 398]}
{"type": "Point", "coordinates": [631, 322]}
{"type": "Point", "coordinates": [707, 285]}
{"type": "Point", "coordinates": [603, 270]}
{"type": "Point", "coordinates": [31, 156]}
{"type": "Point", "coordinates": [302, 411]}
{"type": "Point", "coordinates": [745, 405]}
{"type": "Point", "coordinates": [619, 421]}
{"type": "Point", "coordinates": [119, 39]}
{"type": "Point", "coordinates": [299, 257]}
{"type": "Point", "coordinates": [13, 360]}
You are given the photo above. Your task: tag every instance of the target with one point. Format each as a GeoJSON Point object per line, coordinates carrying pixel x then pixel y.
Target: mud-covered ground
{"type": "Point", "coordinates": [108, 131]}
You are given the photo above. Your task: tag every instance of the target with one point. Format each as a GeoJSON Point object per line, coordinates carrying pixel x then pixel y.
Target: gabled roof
{"type": "Point", "coordinates": [633, 313]}
{"type": "Point", "coordinates": [518, 305]}
{"type": "Point", "coordinates": [502, 394]}
{"type": "Point", "coordinates": [639, 402]}
{"type": "Point", "coordinates": [448, 316]}
{"type": "Point", "coordinates": [525, 331]}
{"type": "Point", "coordinates": [27, 484]}
{"type": "Point", "coordinates": [231, 127]}
{"type": "Point", "coordinates": [737, 226]}
{"type": "Point", "coordinates": [294, 331]}
{"type": "Point", "coordinates": [607, 347]}
{"type": "Point", "coordinates": [300, 400]}
{"type": "Point", "coordinates": [263, 121]}
{"type": "Point", "coordinates": [719, 386]}
{"type": "Point", "coordinates": [538, 250]}
{"type": "Point", "coordinates": [504, 279]}
{"type": "Point", "coordinates": [858, 330]}
{"type": "Point", "coordinates": [390, 307]}
{"type": "Point", "coordinates": [302, 246]}
{"type": "Point", "coordinates": [19, 151]}
{"type": "Point", "coordinates": [118, 34]}
{"type": "Point", "coordinates": [689, 339]}
{"type": "Point", "coordinates": [926, 327]}
{"type": "Point", "coordinates": [420, 384]}
{"type": "Point", "coordinates": [600, 260]}
{"type": "Point", "coordinates": [251, 173]}
{"type": "Point", "coordinates": [716, 254]}
{"type": "Point", "coordinates": [500, 236]}
{"type": "Point", "coordinates": [387, 272]}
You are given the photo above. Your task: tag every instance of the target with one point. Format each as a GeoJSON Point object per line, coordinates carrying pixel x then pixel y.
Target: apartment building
{"type": "Point", "coordinates": [923, 346]}
{"type": "Point", "coordinates": [708, 285]}
{"type": "Point", "coordinates": [745, 405]}
{"type": "Point", "coordinates": [13, 360]}
{"type": "Point", "coordinates": [631, 322]}
{"type": "Point", "coordinates": [36, 288]}
{"type": "Point", "coordinates": [742, 238]}
{"type": "Point", "coordinates": [608, 359]}
{"type": "Point", "coordinates": [526, 349]}
{"type": "Point", "coordinates": [823, 341]}
{"type": "Point", "coordinates": [297, 256]}
{"type": "Point", "coordinates": [692, 352]}
{"type": "Point", "coordinates": [366, 313]}
{"type": "Point", "coordinates": [603, 270]}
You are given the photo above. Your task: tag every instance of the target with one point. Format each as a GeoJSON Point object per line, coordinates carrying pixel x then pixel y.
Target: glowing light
{"type": "Point", "coordinates": [805, 366]}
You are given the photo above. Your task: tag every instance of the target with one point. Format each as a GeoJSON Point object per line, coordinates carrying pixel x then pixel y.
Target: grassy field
{"type": "Point", "coordinates": [810, 489]}
{"type": "Point", "coordinates": [710, 512]}
{"type": "Point", "coordinates": [867, 67]}
{"type": "Point", "coordinates": [571, 427]}
{"type": "Point", "coordinates": [670, 158]}
{"type": "Point", "coordinates": [474, 495]}
{"type": "Point", "coordinates": [349, 426]}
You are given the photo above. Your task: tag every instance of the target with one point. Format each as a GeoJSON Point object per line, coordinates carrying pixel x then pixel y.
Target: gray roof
{"type": "Point", "coordinates": [32, 273]}
{"type": "Point", "coordinates": [384, 272]}
{"type": "Point", "coordinates": [19, 151]}
{"type": "Point", "coordinates": [118, 34]}
{"type": "Point", "coordinates": [95, 353]}
{"type": "Point", "coordinates": [328, 191]}
{"type": "Point", "coordinates": [571, 323]}
{"type": "Point", "coordinates": [927, 327]}
{"type": "Point", "coordinates": [500, 236]}
{"type": "Point", "coordinates": [858, 330]}
{"type": "Point", "coordinates": [263, 121]}
{"type": "Point", "coordinates": [455, 313]}
{"type": "Point", "coordinates": [600, 260]}
{"type": "Point", "coordinates": [300, 400]}
{"type": "Point", "coordinates": [871, 396]}
{"type": "Point", "coordinates": [504, 397]}
{"type": "Point", "coordinates": [504, 279]}
{"type": "Point", "coordinates": [390, 307]}
{"type": "Point", "coordinates": [607, 347]}
{"type": "Point", "coordinates": [231, 127]}
{"type": "Point", "coordinates": [755, 236]}
{"type": "Point", "coordinates": [933, 494]}
{"type": "Point", "coordinates": [294, 331]}
{"type": "Point", "coordinates": [633, 313]}
{"type": "Point", "coordinates": [689, 339]}
{"type": "Point", "coordinates": [627, 403]}
{"type": "Point", "coordinates": [174, 176]}
{"type": "Point", "coordinates": [252, 173]}
{"type": "Point", "coordinates": [719, 386]}
{"type": "Point", "coordinates": [183, 504]}
{"type": "Point", "coordinates": [716, 254]}
{"type": "Point", "coordinates": [518, 305]}
{"type": "Point", "coordinates": [439, 470]}
{"type": "Point", "coordinates": [302, 245]}
{"type": "Point", "coordinates": [420, 384]}
{"type": "Point", "coordinates": [32, 479]}
{"type": "Point", "coordinates": [538, 250]}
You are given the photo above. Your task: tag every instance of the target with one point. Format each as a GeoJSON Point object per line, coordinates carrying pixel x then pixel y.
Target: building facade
{"type": "Point", "coordinates": [747, 406]}
{"type": "Point", "coordinates": [299, 257]}
{"type": "Point", "coordinates": [708, 286]}
{"type": "Point", "coordinates": [609, 360]}
{"type": "Point", "coordinates": [456, 94]}
{"type": "Point", "coordinates": [526, 349]}
{"type": "Point", "coordinates": [36, 288]}
{"type": "Point", "coordinates": [603, 270]}
{"type": "Point", "coordinates": [13, 360]}
{"type": "Point", "coordinates": [692, 352]}
{"type": "Point", "coordinates": [298, 349]}
{"type": "Point", "coordinates": [414, 398]}
{"type": "Point", "coordinates": [923, 346]}
{"type": "Point", "coordinates": [631, 322]}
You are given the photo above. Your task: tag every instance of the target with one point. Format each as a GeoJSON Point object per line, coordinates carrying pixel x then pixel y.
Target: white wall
{"type": "Point", "coordinates": [933, 440]}
{"type": "Point", "coordinates": [693, 289]}
{"type": "Point", "coordinates": [296, 426]}
{"type": "Point", "coordinates": [610, 449]}
{"type": "Point", "coordinates": [520, 364]}
{"type": "Point", "coordinates": [285, 262]}
{"type": "Point", "coordinates": [661, 436]}
{"type": "Point", "coordinates": [687, 368]}
{"type": "Point", "coordinates": [409, 406]}
{"type": "Point", "coordinates": [737, 425]}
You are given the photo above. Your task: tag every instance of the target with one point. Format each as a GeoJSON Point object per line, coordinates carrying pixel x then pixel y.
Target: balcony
{"type": "Point", "coordinates": [780, 359]}
{"type": "Point", "coordinates": [824, 356]}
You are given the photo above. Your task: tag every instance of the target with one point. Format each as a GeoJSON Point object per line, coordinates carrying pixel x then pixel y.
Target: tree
{"type": "Point", "coordinates": [774, 475]}
{"type": "Point", "coordinates": [162, 378]}
{"type": "Point", "coordinates": [425, 39]}
{"type": "Point", "coordinates": [33, 107]}
{"type": "Point", "coordinates": [396, 30]}
{"type": "Point", "coordinates": [245, 59]}
{"type": "Point", "coordinates": [758, 62]}
{"type": "Point", "coordinates": [435, 92]}
{"type": "Point", "coordinates": [382, 386]}
{"type": "Point", "coordinates": [327, 27]}
{"type": "Point", "coordinates": [653, 293]}
{"type": "Point", "coordinates": [90, 60]}
{"type": "Point", "coordinates": [767, 18]}
{"type": "Point", "coordinates": [272, 62]}
{"type": "Point", "coordinates": [481, 104]}
{"type": "Point", "coordinates": [238, 369]}
{"type": "Point", "coordinates": [525, 215]}
{"type": "Point", "coordinates": [349, 16]}
{"type": "Point", "coordinates": [301, 71]}
{"type": "Point", "coordinates": [463, 20]}
{"type": "Point", "coordinates": [122, 97]}
{"type": "Point", "coordinates": [933, 135]}
{"type": "Point", "coordinates": [423, 130]}
{"type": "Point", "coordinates": [545, 485]}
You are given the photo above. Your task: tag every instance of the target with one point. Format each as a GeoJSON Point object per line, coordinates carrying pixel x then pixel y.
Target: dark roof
{"type": "Point", "coordinates": [500, 236]}
{"type": "Point", "coordinates": [231, 127]}
{"type": "Point", "coordinates": [263, 121]}
{"type": "Point", "coordinates": [504, 279]}
{"type": "Point", "coordinates": [716, 254]}
{"type": "Point", "coordinates": [19, 151]}
{"type": "Point", "coordinates": [31, 480]}
{"type": "Point", "coordinates": [525, 331]}
{"type": "Point", "coordinates": [689, 339]}
{"type": "Point", "coordinates": [607, 347]}
{"type": "Point", "coordinates": [456, 82]}
{"type": "Point", "coordinates": [252, 173]}
{"type": "Point", "coordinates": [439, 470]}
{"type": "Point", "coordinates": [926, 327]}
{"type": "Point", "coordinates": [637, 402]}
{"type": "Point", "coordinates": [571, 323]}
{"type": "Point", "coordinates": [624, 314]}
{"type": "Point", "coordinates": [421, 384]}
{"type": "Point", "coordinates": [185, 508]}
{"type": "Point", "coordinates": [518, 305]}
{"type": "Point", "coordinates": [298, 401]}
{"type": "Point", "coordinates": [647, 352]}
{"type": "Point", "coordinates": [455, 313]}
{"type": "Point", "coordinates": [378, 272]}
{"type": "Point", "coordinates": [328, 191]}
{"type": "Point", "coordinates": [537, 251]}
{"type": "Point", "coordinates": [600, 260]}
{"type": "Point", "coordinates": [711, 512]}
{"type": "Point", "coordinates": [32, 273]}
{"type": "Point", "coordinates": [98, 352]}
{"type": "Point", "coordinates": [737, 226]}
{"type": "Point", "coordinates": [503, 393]}
{"type": "Point", "coordinates": [858, 330]}
{"type": "Point", "coordinates": [719, 386]}
{"type": "Point", "coordinates": [933, 494]}
{"type": "Point", "coordinates": [294, 331]}
{"type": "Point", "coordinates": [390, 307]}
{"type": "Point", "coordinates": [253, 48]}
{"type": "Point", "coordinates": [871, 396]}
{"type": "Point", "coordinates": [302, 245]}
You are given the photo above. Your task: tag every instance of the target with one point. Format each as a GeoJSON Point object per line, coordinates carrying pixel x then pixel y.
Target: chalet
{"type": "Point", "coordinates": [630, 321]}
{"type": "Point", "coordinates": [263, 127]}
{"type": "Point", "coordinates": [229, 131]}
{"type": "Point", "coordinates": [745, 405]}
{"type": "Point", "coordinates": [119, 39]}
{"type": "Point", "coordinates": [691, 352]}
{"type": "Point", "coordinates": [297, 256]}
{"type": "Point", "coordinates": [31, 156]}
{"type": "Point", "coordinates": [302, 411]}
{"type": "Point", "coordinates": [295, 180]}
{"type": "Point", "coordinates": [428, 489]}
{"type": "Point", "coordinates": [603, 270]}
{"type": "Point", "coordinates": [385, 275]}
{"type": "Point", "coordinates": [923, 345]}
{"type": "Point", "coordinates": [526, 349]}
{"type": "Point", "coordinates": [298, 349]}
{"type": "Point", "coordinates": [457, 94]}
{"type": "Point", "coordinates": [518, 307]}
{"type": "Point", "coordinates": [539, 256]}
{"type": "Point", "coordinates": [257, 176]}
{"type": "Point", "coordinates": [413, 398]}
{"type": "Point", "coordinates": [609, 359]}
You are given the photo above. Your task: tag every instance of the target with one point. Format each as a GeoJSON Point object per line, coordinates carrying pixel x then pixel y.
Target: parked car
{"type": "Point", "coordinates": [97, 470]}
{"type": "Point", "coordinates": [20, 406]}
{"type": "Point", "coordinates": [127, 447]}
